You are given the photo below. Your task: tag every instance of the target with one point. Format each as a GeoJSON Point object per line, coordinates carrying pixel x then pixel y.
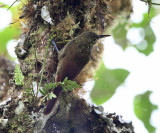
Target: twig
{"type": "Point", "coordinates": [12, 4]}
{"type": "Point", "coordinates": [151, 2]}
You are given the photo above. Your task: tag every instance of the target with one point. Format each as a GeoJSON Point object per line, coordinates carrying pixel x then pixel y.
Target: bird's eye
{"type": "Point", "coordinates": [94, 39]}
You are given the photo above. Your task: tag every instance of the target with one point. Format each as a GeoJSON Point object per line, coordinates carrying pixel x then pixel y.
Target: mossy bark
{"type": "Point", "coordinates": [69, 19]}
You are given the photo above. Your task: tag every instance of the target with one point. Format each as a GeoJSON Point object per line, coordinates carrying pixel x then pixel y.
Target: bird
{"type": "Point", "coordinates": [71, 60]}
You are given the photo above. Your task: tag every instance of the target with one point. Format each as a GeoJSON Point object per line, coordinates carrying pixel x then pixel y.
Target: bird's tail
{"type": "Point", "coordinates": [51, 103]}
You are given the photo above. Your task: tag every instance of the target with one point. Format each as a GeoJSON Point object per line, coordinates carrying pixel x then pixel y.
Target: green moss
{"type": "Point", "coordinates": [20, 123]}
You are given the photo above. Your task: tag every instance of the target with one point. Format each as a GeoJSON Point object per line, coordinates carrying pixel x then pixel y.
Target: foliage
{"type": "Point", "coordinates": [121, 30]}
{"type": "Point", "coordinates": [18, 76]}
{"type": "Point", "coordinates": [29, 93]}
{"type": "Point", "coordinates": [10, 32]}
{"type": "Point", "coordinates": [106, 85]}
{"type": "Point", "coordinates": [149, 34]}
{"type": "Point", "coordinates": [143, 109]}
{"type": "Point", "coordinates": [67, 85]}
{"type": "Point", "coordinates": [120, 33]}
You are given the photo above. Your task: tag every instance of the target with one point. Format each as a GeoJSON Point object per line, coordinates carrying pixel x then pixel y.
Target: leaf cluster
{"type": "Point", "coordinates": [18, 76]}
{"type": "Point", "coordinates": [67, 85]}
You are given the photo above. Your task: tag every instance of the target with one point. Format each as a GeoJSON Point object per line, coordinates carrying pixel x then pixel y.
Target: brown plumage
{"type": "Point", "coordinates": [72, 59]}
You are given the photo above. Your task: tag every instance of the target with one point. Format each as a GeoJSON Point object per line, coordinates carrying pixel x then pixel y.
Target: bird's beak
{"type": "Point", "coordinates": [102, 36]}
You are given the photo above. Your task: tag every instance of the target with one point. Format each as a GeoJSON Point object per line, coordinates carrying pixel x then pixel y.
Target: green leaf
{"type": "Point", "coordinates": [47, 86]}
{"type": "Point", "coordinates": [43, 93]}
{"type": "Point", "coordinates": [149, 34]}
{"type": "Point", "coordinates": [64, 88]}
{"type": "Point", "coordinates": [150, 39]}
{"type": "Point", "coordinates": [18, 76]}
{"type": "Point", "coordinates": [106, 83]}
{"type": "Point", "coordinates": [120, 33]}
{"type": "Point", "coordinates": [48, 98]}
{"type": "Point", "coordinates": [52, 95]}
{"type": "Point", "coordinates": [65, 80]}
{"type": "Point", "coordinates": [66, 85]}
{"type": "Point", "coordinates": [55, 85]}
{"type": "Point", "coordinates": [143, 109]}
{"type": "Point", "coordinates": [44, 90]}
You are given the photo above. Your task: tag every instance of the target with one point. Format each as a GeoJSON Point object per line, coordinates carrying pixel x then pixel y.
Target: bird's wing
{"type": "Point", "coordinates": [68, 68]}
